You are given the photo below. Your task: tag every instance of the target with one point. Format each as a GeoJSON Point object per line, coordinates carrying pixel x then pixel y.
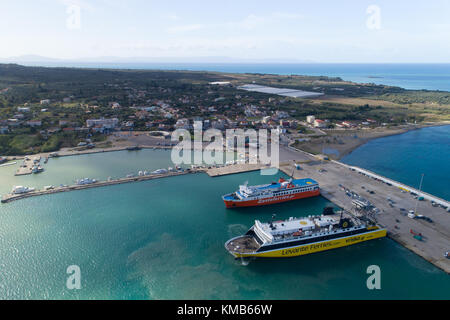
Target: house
{"type": "Point", "coordinates": [115, 105]}
{"type": "Point", "coordinates": [19, 116]}
{"type": "Point", "coordinates": [4, 130]}
{"type": "Point", "coordinates": [320, 123]}
{"type": "Point", "coordinates": [34, 123]}
{"type": "Point", "coordinates": [183, 124]}
{"type": "Point", "coordinates": [23, 109]}
{"type": "Point", "coordinates": [104, 123]}
{"type": "Point", "coordinates": [45, 101]}
{"type": "Point", "coordinates": [348, 124]}
{"type": "Point", "coordinates": [13, 122]}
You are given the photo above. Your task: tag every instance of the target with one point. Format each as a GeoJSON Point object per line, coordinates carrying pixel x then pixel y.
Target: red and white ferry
{"type": "Point", "coordinates": [284, 190]}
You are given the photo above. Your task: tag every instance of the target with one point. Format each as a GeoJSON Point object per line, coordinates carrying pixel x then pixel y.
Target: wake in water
{"type": "Point", "coordinates": [245, 261]}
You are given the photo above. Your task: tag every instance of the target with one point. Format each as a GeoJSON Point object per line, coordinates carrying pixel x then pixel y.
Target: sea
{"type": "Point", "coordinates": [164, 239]}
{"type": "Point", "coordinates": [419, 76]}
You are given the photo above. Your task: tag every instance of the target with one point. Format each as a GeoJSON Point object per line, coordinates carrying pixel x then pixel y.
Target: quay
{"type": "Point", "coordinates": [334, 176]}
{"type": "Point", "coordinates": [13, 197]}
{"type": "Point", "coordinates": [234, 169]}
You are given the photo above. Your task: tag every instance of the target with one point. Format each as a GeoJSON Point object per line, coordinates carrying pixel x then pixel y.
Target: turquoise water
{"type": "Point", "coordinates": [164, 239]}
{"type": "Point", "coordinates": [406, 75]}
{"type": "Point", "coordinates": [407, 156]}
{"type": "Point", "coordinates": [100, 166]}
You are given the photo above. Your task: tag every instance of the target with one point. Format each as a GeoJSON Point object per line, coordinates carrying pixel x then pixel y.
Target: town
{"type": "Point", "coordinates": [39, 116]}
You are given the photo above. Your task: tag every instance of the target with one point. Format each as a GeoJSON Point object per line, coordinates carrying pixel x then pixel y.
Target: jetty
{"type": "Point", "coordinates": [392, 204]}
{"type": "Point", "coordinates": [13, 197]}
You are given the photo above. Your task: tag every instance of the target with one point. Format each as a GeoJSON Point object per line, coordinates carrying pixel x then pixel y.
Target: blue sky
{"type": "Point", "coordinates": [320, 31]}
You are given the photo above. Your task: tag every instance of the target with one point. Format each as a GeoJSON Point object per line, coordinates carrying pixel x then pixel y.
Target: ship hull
{"type": "Point", "coordinates": [315, 247]}
{"type": "Point", "coordinates": [268, 201]}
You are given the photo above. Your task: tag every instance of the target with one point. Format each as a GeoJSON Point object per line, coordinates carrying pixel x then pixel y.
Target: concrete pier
{"type": "Point", "coordinates": [234, 169]}
{"type": "Point", "coordinates": [393, 215]}
{"type": "Point", "coordinates": [13, 197]}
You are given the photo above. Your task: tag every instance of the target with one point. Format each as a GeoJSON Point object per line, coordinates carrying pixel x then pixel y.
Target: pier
{"type": "Point", "coordinates": [392, 214]}
{"type": "Point", "coordinates": [13, 197]}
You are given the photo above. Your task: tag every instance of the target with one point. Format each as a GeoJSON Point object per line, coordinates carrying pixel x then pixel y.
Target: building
{"type": "Point", "coordinates": [34, 123]}
{"type": "Point", "coordinates": [104, 123]}
{"type": "Point", "coordinates": [310, 119]}
{"type": "Point", "coordinates": [23, 109]}
{"type": "Point", "coordinates": [46, 101]}
{"type": "Point", "coordinates": [4, 130]}
{"type": "Point", "coordinates": [320, 123]}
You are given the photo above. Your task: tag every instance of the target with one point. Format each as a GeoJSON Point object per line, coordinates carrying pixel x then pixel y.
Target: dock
{"type": "Point", "coordinates": [334, 176]}
{"type": "Point", "coordinates": [234, 169]}
{"type": "Point", "coordinates": [13, 197]}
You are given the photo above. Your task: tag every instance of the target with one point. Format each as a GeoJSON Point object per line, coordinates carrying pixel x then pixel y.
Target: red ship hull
{"type": "Point", "coordinates": [264, 202]}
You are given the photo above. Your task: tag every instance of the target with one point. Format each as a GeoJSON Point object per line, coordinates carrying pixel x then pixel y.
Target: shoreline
{"type": "Point", "coordinates": [343, 150]}
{"type": "Point", "coordinates": [347, 148]}
{"type": "Point", "coordinates": [423, 126]}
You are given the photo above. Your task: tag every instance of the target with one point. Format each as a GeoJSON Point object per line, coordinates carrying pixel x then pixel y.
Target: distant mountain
{"type": "Point", "coordinates": [37, 60]}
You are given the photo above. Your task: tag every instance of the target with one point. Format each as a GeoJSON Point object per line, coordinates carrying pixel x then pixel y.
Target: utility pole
{"type": "Point", "coordinates": [418, 196]}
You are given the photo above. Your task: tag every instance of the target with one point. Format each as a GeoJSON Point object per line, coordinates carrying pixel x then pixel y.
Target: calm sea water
{"type": "Point", "coordinates": [164, 239]}
{"type": "Point", "coordinates": [407, 156]}
{"type": "Point", "coordinates": [408, 76]}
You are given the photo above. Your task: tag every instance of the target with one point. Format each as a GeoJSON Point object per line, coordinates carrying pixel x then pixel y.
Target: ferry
{"type": "Point", "coordinates": [296, 237]}
{"type": "Point", "coordinates": [281, 191]}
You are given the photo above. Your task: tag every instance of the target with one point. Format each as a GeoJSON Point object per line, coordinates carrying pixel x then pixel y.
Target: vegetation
{"type": "Point", "coordinates": [77, 95]}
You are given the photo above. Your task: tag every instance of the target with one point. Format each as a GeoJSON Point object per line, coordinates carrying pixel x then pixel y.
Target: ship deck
{"type": "Point", "coordinates": [244, 244]}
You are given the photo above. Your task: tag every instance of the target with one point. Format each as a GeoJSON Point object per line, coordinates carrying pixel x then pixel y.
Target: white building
{"type": "Point", "coordinates": [104, 123]}
{"type": "Point", "coordinates": [23, 109]}
{"type": "Point", "coordinates": [310, 119]}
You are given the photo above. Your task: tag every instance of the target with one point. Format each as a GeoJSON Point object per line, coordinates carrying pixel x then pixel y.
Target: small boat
{"type": "Point", "coordinates": [85, 181]}
{"type": "Point", "coordinates": [21, 190]}
{"type": "Point", "coordinates": [37, 169]}
{"type": "Point", "coordinates": [160, 171]}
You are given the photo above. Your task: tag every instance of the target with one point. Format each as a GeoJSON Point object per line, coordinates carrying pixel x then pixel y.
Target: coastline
{"type": "Point", "coordinates": [351, 143]}
{"type": "Point", "coordinates": [343, 150]}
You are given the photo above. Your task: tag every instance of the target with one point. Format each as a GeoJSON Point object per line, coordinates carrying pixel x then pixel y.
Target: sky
{"type": "Point", "coordinates": [355, 31]}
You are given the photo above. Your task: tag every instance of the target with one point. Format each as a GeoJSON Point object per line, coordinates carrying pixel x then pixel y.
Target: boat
{"type": "Point", "coordinates": [21, 190]}
{"type": "Point", "coordinates": [302, 236]}
{"type": "Point", "coordinates": [160, 171]}
{"type": "Point", "coordinates": [85, 181]}
{"type": "Point", "coordinates": [281, 191]}
{"type": "Point", "coordinates": [134, 148]}
{"type": "Point", "coordinates": [37, 169]}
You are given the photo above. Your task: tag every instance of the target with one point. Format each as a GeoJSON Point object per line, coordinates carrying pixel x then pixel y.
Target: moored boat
{"type": "Point", "coordinates": [281, 191]}
{"type": "Point", "coordinates": [301, 236]}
